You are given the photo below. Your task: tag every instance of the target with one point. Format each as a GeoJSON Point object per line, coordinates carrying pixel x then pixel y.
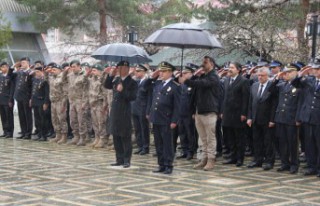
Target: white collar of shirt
{"type": "Point", "coordinates": [141, 80]}
{"type": "Point", "coordinates": [264, 86]}
{"type": "Point", "coordinates": [234, 78]}
{"type": "Point", "coordinates": [167, 81]}
{"type": "Point", "coordinates": [123, 78]}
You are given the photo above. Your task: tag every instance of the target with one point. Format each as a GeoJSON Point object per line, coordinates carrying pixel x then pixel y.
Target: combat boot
{"type": "Point", "coordinates": [63, 140]}
{"type": "Point", "coordinates": [210, 164]}
{"type": "Point", "coordinates": [82, 141]}
{"type": "Point", "coordinates": [100, 144]}
{"type": "Point", "coordinates": [201, 164]}
{"type": "Point", "coordinates": [88, 139]}
{"type": "Point", "coordinates": [56, 139]}
{"type": "Point", "coordinates": [96, 140]}
{"type": "Point", "coordinates": [74, 140]}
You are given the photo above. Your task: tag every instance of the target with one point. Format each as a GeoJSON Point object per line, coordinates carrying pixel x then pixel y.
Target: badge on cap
{"type": "Point", "coordinates": [294, 90]}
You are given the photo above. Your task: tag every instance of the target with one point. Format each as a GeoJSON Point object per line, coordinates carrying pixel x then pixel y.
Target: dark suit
{"type": "Point", "coordinates": [22, 94]}
{"type": "Point", "coordinates": [235, 105]}
{"type": "Point", "coordinates": [39, 97]}
{"type": "Point", "coordinates": [140, 121]}
{"type": "Point", "coordinates": [286, 118]}
{"type": "Point", "coordinates": [120, 116]}
{"type": "Point", "coordinates": [309, 115]}
{"type": "Point", "coordinates": [163, 111]}
{"type": "Point", "coordinates": [261, 111]}
{"type": "Point", "coordinates": [6, 97]}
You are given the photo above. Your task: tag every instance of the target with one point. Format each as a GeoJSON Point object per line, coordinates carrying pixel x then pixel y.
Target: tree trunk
{"type": "Point", "coordinates": [103, 22]}
{"type": "Point", "coordinates": [302, 41]}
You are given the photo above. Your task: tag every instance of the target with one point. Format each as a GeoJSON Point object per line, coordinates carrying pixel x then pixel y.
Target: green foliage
{"type": "Point", "coordinates": [5, 35]}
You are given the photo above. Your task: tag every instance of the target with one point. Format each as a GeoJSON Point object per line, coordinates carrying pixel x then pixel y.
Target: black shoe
{"type": "Point", "coordinates": [3, 135]}
{"type": "Point", "coordinates": [227, 156]}
{"type": "Point", "coordinates": [168, 170]}
{"type": "Point", "coordinates": [293, 170]}
{"type": "Point", "coordinates": [229, 161]}
{"type": "Point", "coordinates": [182, 156]}
{"type": "Point", "coordinates": [35, 132]}
{"type": "Point", "coordinates": [20, 137]}
{"type": "Point", "coordinates": [50, 135]}
{"type": "Point", "coordinates": [218, 154]}
{"type": "Point", "coordinates": [9, 136]}
{"type": "Point", "coordinates": [42, 139]}
{"type": "Point", "coordinates": [189, 156]}
{"type": "Point", "coordinates": [126, 165]}
{"type": "Point", "coordinates": [254, 164]}
{"type": "Point", "coordinates": [20, 133]}
{"type": "Point", "coordinates": [310, 172]}
{"type": "Point", "coordinates": [27, 137]}
{"type": "Point", "coordinates": [116, 164]}
{"type": "Point", "coordinates": [318, 175]}
{"type": "Point", "coordinates": [159, 170]}
{"type": "Point", "coordinates": [267, 167]}
{"type": "Point", "coordinates": [239, 163]}
{"type": "Point", "coordinates": [37, 138]}
{"type": "Point", "coordinates": [144, 152]}
{"type": "Point", "coordinates": [283, 168]}
{"type": "Point", "coordinates": [138, 151]}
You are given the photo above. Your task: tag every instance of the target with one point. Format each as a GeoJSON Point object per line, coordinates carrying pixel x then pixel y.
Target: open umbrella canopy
{"type": "Point", "coordinates": [183, 35]}
{"type": "Point", "coordinates": [122, 52]}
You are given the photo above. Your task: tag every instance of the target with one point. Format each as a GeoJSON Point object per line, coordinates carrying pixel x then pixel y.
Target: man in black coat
{"type": "Point", "coordinates": [163, 113]}
{"type": "Point", "coordinates": [234, 113]}
{"type": "Point", "coordinates": [139, 107]}
{"type": "Point", "coordinates": [22, 94]}
{"type": "Point", "coordinates": [310, 115]}
{"type": "Point", "coordinates": [6, 101]}
{"type": "Point", "coordinates": [124, 91]}
{"type": "Point", "coordinates": [286, 118]}
{"type": "Point", "coordinates": [40, 103]}
{"type": "Point", "coordinates": [261, 111]}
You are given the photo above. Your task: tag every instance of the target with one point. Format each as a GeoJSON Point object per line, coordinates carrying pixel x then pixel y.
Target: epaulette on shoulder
{"type": "Point", "coordinates": [176, 83]}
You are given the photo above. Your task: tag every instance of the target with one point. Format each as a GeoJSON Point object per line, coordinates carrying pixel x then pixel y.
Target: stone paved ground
{"type": "Point", "coordinates": [34, 173]}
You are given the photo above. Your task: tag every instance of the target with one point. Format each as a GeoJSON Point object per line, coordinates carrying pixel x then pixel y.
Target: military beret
{"type": "Point", "coordinates": [123, 63]}
{"type": "Point", "coordinates": [165, 66]}
{"type": "Point", "coordinates": [262, 62]}
{"type": "Point", "coordinates": [54, 65]}
{"type": "Point", "coordinates": [25, 59]}
{"type": "Point", "coordinates": [39, 62]}
{"type": "Point", "coordinates": [75, 62]}
{"type": "Point", "coordinates": [65, 64]}
{"type": "Point", "coordinates": [291, 67]}
{"type": "Point", "coordinates": [141, 67]}
{"type": "Point", "coordinates": [191, 67]}
{"type": "Point", "coordinates": [275, 63]}
{"type": "Point", "coordinates": [106, 65]}
{"type": "Point", "coordinates": [98, 67]}
{"type": "Point", "coordinates": [4, 63]}
{"type": "Point", "coordinates": [316, 64]}
{"type": "Point", "coordinates": [38, 68]}
{"type": "Point", "coordinates": [85, 64]}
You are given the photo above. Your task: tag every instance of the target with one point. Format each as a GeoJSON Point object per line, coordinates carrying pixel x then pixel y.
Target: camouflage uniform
{"type": "Point", "coordinates": [58, 98]}
{"type": "Point", "coordinates": [77, 94]}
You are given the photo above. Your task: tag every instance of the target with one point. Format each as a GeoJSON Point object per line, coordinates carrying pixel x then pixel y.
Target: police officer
{"type": "Point", "coordinates": [285, 118]}
{"type": "Point", "coordinates": [310, 115]}
{"type": "Point", "coordinates": [275, 67]}
{"type": "Point", "coordinates": [164, 114]}
{"type": "Point", "coordinates": [140, 121]}
{"type": "Point", "coordinates": [124, 91]}
{"type": "Point", "coordinates": [22, 94]}
{"type": "Point", "coordinates": [186, 122]}
{"type": "Point", "coordinates": [6, 101]}
{"type": "Point", "coordinates": [40, 102]}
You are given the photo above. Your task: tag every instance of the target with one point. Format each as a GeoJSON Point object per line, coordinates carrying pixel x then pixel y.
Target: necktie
{"type": "Point", "coordinates": [317, 84]}
{"type": "Point", "coordinates": [231, 81]}
{"type": "Point", "coordinates": [260, 90]}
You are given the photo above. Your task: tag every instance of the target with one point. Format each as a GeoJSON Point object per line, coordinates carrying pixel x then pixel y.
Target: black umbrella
{"type": "Point", "coordinates": [183, 35]}
{"type": "Point", "coordinates": [121, 52]}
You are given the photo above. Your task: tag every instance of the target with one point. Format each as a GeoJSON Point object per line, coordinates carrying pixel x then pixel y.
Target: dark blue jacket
{"type": "Point", "coordinates": [6, 89]}
{"type": "Point", "coordinates": [185, 102]}
{"type": "Point", "coordinates": [40, 92]}
{"type": "Point", "coordinates": [23, 85]}
{"type": "Point", "coordinates": [139, 105]}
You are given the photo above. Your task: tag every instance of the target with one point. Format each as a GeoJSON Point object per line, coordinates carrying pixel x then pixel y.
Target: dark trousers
{"type": "Point", "coordinates": [123, 147]}
{"type": "Point", "coordinates": [236, 142]}
{"type": "Point", "coordinates": [263, 143]}
{"type": "Point", "coordinates": [164, 145]}
{"type": "Point", "coordinates": [187, 135]}
{"type": "Point", "coordinates": [68, 120]}
{"type": "Point", "coordinates": [288, 144]}
{"type": "Point", "coordinates": [6, 114]}
{"type": "Point", "coordinates": [302, 137]}
{"type": "Point", "coordinates": [219, 135]}
{"type": "Point", "coordinates": [25, 117]}
{"type": "Point", "coordinates": [40, 120]}
{"type": "Point", "coordinates": [141, 127]}
{"type": "Point", "coordinates": [49, 119]}
{"type": "Point", "coordinates": [312, 137]}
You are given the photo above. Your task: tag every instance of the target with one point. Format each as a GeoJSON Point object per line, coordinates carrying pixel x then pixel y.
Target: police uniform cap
{"type": "Point", "coordinates": [123, 63]}
{"type": "Point", "coordinates": [191, 67]}
{"type": "Point", "coordinates": [25, 59]}
{"type": "Point", "coordinates": [166, 66]}
{"type": "Point", "coordinates": [316, 64]}
{"type": "Point", "coordinates": [39, 62]}
{"type": "Point", "coordinates": [291, 67]}
{"type": "Point", "coordinates": [275, 63]}
{"type": "Point", "coordinates": [299, 64]}
{"type": "Point", "coordinates": [262, 62]}
{"type": "Point", "coordinates": [98, 67]}
{"type": "Point", "coordinates": [75, 62]}
{"type": "Point", "coordinates": [141, 67]}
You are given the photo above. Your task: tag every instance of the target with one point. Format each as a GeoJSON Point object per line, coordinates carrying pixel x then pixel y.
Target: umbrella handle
{"type": "Point", "coordinates": [182, 60]}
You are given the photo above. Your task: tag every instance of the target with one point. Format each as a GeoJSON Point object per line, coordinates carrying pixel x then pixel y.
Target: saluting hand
{"type": "Point", "coordinates": [173, 125]}
{"type": "Point", "coordinates": [304, 71]}
{"type": "Point", "coordinates": [155, 74]}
